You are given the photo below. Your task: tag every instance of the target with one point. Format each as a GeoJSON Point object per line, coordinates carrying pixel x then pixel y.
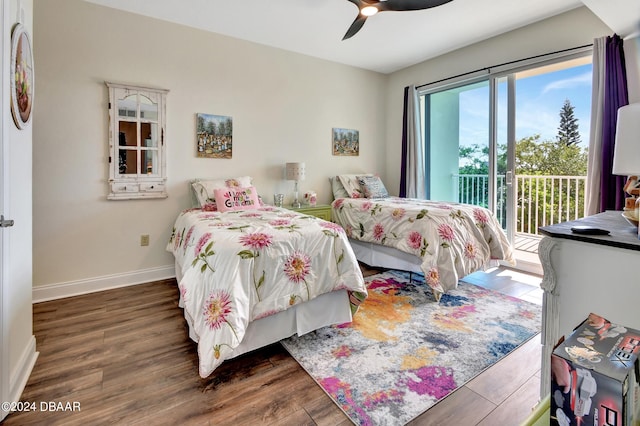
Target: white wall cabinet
{"type": "Point", "coordinates": [137, 152]}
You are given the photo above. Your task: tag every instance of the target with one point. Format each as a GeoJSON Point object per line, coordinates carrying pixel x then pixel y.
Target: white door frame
{"type": "Point", "coordinates": [494, 116]}
{"type": "Point", "coordinates": [4, 328]}
{"type": "Point", "coordinates": [511, 157]}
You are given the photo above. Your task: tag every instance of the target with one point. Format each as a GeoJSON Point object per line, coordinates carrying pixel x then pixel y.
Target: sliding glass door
{"type": "Point", "coordinates": [467, 149]}
{"type": "Point", "coordinates": [514, 142]}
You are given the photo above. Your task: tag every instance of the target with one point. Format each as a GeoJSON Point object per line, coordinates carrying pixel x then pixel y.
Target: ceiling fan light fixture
{"type": "Point", "coordinates": [369, 10]}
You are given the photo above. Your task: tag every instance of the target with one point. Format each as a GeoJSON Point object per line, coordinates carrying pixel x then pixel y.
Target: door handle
{"type": "Point", "coordinates": [5, 223]}
{"type": "Point", "coordinates": [509, 178]}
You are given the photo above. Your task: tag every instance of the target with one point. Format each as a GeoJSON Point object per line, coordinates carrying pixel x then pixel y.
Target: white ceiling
{"type": "Point", "coordinates": [389, 41]}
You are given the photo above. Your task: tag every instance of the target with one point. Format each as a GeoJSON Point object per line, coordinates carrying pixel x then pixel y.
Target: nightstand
{"type": "Point", "coordinates": [323, 211]}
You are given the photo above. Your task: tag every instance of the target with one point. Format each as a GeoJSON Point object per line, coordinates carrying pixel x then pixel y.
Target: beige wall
{"type": "Point", "coordinates": [632, 58]}
{"type": "Point", "coordinates": [283, 105]}
{"type": "Point", "coordinates": [571, 29]}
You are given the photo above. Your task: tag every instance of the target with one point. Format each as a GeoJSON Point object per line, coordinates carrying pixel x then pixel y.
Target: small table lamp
{"type": "Point", "coordinates": [295, 172]}
{"type": "Point", "coordinates": [626, 156]}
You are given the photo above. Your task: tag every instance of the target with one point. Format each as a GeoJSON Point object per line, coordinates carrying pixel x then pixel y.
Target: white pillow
{"type": "Point", "coordinates": [352, 185]}
{"type": "Point", "coordinates": [337, 188]}
{"type": "Point", "coordinates": [204, 189]}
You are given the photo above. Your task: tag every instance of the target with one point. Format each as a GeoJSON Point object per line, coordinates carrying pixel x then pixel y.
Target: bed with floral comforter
{"type": "Point", "coordinates": [451, 239]}
{"type": "Point", "coordinates": [241, 266]}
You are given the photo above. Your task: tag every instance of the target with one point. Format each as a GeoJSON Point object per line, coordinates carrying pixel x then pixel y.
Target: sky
{"type": "Point", "coordinates": [539, 100]}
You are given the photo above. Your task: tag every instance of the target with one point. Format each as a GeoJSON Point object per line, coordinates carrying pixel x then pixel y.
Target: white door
{"type": "Point", "coordinates": [4, 332]}
{"type": "Point", "coordinates": [17, 343]}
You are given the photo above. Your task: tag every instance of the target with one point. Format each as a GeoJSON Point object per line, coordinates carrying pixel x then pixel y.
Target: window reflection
{"type": "Point", "coordinates": [148, 109]}
{"type": "Point", "coordinates": [127, 107]}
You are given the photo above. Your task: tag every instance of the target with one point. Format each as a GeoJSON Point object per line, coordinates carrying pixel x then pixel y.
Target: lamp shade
{"type": "Point", "coordinates": [626, 156]}
{"type": "Point", "coordinates": [295, 171]}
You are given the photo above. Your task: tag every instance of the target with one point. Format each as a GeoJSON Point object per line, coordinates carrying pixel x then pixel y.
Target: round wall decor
{"type": "Point", "coordinates": [21, 76]}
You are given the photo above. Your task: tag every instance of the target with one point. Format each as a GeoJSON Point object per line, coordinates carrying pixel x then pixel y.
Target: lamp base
{"type": "Point", "coordinates": [296, 202]}
{"type": "Point", "coordinates": [631, 212]}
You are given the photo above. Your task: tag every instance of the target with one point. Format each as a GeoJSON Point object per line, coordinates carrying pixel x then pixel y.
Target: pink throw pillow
{"type": "Point", "coordinates": [228, 199]}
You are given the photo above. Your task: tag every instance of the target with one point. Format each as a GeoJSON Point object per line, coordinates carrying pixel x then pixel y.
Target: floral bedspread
{"type": "Point", "coordinates": [452, 239]}
{"type": "Point", "coordinates": [241, 266]}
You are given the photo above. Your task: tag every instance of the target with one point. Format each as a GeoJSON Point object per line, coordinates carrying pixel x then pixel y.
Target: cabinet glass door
{"type": "Point", "coordinates": [137, 134]}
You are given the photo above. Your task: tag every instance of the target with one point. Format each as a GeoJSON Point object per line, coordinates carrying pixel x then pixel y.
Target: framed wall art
{"type": "Point", "coordinates": [214, 136]}
{"type": "Point", "coordinates": [21, 76]}
{"type": "Point", "coordinates": [345, 142]}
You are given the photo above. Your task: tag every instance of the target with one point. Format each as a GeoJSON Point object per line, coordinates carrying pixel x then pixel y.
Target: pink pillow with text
{"type": "Point", "coordinates": [228, 199]}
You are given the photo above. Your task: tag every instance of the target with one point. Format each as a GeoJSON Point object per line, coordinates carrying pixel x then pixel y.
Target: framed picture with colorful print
{"type": "Point", "coordinates": [345, 142]}
{"type": "Point", "coordinates": [21, 76]}
{"type": "Point", "coordinates": [214, 138]}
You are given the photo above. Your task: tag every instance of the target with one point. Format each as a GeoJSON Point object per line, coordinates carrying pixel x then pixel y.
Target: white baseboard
{"type": "Point", "coordinates": [107, 282]}
{"type": "Point", "coordinates": [20, 375]}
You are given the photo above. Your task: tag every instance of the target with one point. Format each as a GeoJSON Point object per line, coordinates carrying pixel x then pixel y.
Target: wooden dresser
{"type": "Point", "coordinates": [587, 273]}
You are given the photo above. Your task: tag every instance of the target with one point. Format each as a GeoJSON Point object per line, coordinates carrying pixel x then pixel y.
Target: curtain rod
{"type": "Point", "coordinates": [506, 63]}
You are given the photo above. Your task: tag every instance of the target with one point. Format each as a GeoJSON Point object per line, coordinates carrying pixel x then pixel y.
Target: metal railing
{"type": "Point", "coordinates": [540, 200]}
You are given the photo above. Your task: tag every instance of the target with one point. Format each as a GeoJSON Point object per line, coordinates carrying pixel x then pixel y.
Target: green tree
{"type": "Point", "coordinates": [545, 198]}
{"type": "Point", "coordinates": [548, 198]}
{"type": "Point", "coordinates": [475, 159]}
{"type": "Point", "coordinates": [211, 127]}
{"type": "Point", "coordinates": [534, 157]}
{"type": "Point", "coordinates": [568, 129]}
{"type": "Point", "coordinates": [200, 124]}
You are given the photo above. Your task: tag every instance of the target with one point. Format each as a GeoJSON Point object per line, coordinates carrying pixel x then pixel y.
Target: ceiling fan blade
{"type": "Point", "coordinates": [355, 26]}
{"type": "Point", "coordinates": [400, 5]}
{"type": "Point", "coordinates": [383, 5]}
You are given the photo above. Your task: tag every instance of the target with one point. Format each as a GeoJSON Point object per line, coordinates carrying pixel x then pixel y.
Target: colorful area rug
{"type": "Point", "coordinates": [404, 351]}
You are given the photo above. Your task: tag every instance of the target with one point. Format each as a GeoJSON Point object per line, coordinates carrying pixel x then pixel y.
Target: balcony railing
{"type": "Point", "coordinates": [540, 200]}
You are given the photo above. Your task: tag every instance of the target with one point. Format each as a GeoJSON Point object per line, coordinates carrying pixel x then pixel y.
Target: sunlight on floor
{"type": "Point", "coordinates": [515, 283]}
{"type": "Point", "coordinates": [522, 277]}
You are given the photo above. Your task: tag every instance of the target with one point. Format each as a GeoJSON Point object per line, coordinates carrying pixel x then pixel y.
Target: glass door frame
{"type": "Point", "coordinates": [511, 153]}
{"type": "Point", "coordinates": [493, 81]}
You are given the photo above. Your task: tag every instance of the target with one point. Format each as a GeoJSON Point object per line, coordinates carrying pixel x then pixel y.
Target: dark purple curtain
{"type": "Point", "coordinates": [403, 164]}
{"type": "Point", "coordinates": [616, 95]}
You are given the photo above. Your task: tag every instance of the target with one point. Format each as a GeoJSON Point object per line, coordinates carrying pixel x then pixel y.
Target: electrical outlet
{"type": "Point", "coordinates": [144, 239]}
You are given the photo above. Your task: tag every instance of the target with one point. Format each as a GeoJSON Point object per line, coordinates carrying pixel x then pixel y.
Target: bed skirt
{"type": "Point", "coordinates": [325, 310]}
{"type": "Point", "coordinates": [372, 254]}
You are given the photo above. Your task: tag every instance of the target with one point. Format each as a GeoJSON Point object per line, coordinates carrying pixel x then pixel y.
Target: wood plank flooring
{"type": "Point", "coordinates": [125, 356]}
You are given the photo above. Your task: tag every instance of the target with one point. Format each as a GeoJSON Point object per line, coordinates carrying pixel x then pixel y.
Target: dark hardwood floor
{"type": "Point", "coordinates": [124, 357]}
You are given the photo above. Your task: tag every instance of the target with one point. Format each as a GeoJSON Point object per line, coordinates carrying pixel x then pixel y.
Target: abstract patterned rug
{"type": "Point", "coordinates": [404, 351]}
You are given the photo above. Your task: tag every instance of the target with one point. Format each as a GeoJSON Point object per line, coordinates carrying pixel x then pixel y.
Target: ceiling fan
{"type": "Point", "coordinates": [368, 8]}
